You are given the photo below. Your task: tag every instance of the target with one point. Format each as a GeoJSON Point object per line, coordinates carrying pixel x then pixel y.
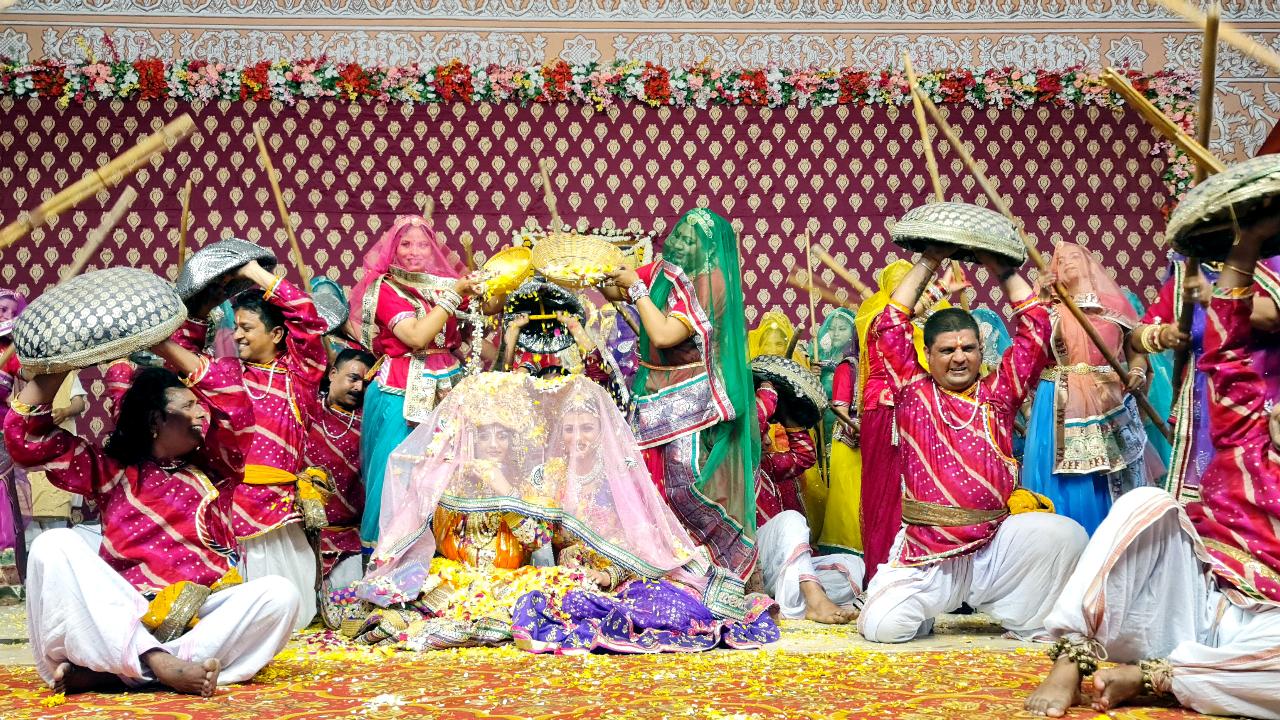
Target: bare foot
{"type": "Point", "coordinates": [1058, 692]}
{"type": "Point", "coordinates": [184, 676]}
{"type": "Point", "coordinates": [71, 679]}
{"type": "Point", "coordinates": [1116, 686]}
{"type": "Point", "coordinates": [819, 608]}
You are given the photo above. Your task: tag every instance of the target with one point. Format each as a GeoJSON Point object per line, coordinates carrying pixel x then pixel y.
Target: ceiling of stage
{"type": "Point", "coordinates": [1051, 34]}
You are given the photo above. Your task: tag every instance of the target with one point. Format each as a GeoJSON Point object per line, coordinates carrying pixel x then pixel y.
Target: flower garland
{"type": "Point", "coordinates": [595, 84]}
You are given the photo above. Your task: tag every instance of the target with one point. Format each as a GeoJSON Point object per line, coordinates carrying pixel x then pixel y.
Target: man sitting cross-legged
{"type": "Point", "coordinates": [954, 428]}
{"type": "Point", "coordinates": [1187, 599]}
{"type": "Point", "coordinates": [164, 482]}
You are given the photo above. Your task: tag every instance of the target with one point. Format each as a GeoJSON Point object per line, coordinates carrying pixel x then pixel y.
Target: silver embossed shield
{"type": "Point", "coordinates": [331, 303]}
{"type": "Point", "coordinates": [1204, 224]}
{"type": "Point", "coordinates": [215, 260]}
{"type": "Point", "coordinates": [966, 226]}
{"type": "Point", "coordinates": [800, 393]}
{"type": "Point", "coordinates": [95, 318]}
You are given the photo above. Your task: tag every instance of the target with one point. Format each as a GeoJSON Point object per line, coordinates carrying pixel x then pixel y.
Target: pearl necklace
{"type": "Point", "coordinates": [977, 407]}
{"type": "Point", "coordinates": [271, 378]}
{"type": "Point", "coordinates": [351, 421]}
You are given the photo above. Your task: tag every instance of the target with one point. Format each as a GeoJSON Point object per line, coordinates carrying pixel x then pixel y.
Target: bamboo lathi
{"type": "Point", "coordinates": [800, 281]}
{"type": "Point", "coordinates": [294, 248]}
{"type": "Point", "coordinates": [184, 222]}
{"type": "Point", "coordinates": [111, 174]}
{"type": "Point", "coordinates": [549, 195]}
{"type": "Point", "coordinates": [858, 286]}
{"type": "Point", "coordinates": [998, 202]}
{"type": "Point", "coordinates": [1161, 122]}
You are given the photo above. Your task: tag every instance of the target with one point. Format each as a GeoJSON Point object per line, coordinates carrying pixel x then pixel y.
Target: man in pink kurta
{"type": "Point", "coordinates": [953, 430]}
{"type": "Point", "coordinates": [1187, 599]}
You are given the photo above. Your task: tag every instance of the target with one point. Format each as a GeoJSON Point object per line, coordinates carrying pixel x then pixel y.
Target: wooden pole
{"type": "Point", "coordinates": [105, 177]}
{"type": "Point", "coordinates": [294, 248]}
{"type": "Point", "coordinates": [998, 201]}
{"type": "Point", "coordinates": [87, 252]}
{"type": "Point", "coordinates": [843, 273]}
{"type": "Point", "coordinates": [800, 281]}
{"type": "Point", "coordinates": [824, 471]}
{"type": "Point", "coordinates": [1231, 36]}
{"type": "Point", "coordinates": [922, 124]}
{"type": "Point", "coordinates": [1161, 122]}
{"type": "Point", "coordinates": [548, 195]}
{"type": "Point", "coordinates": [428, 208]}
{"type": "Point", "coordinates": [183, 224]}
{"type": "Point", "coordinates": [466, 249]}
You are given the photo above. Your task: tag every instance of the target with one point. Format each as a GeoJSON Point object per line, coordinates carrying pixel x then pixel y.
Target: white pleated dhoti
{"type": "Point", "coordinates": [81, 611]}
{"type": "Point", "coordinates": [786, 560]}
{"type": "Point", "coordinates": [284, 552]}
{"type": "Point", "coordinates": [1142, 591]}
{"type": "Point", "coordinates": [1015, 579]}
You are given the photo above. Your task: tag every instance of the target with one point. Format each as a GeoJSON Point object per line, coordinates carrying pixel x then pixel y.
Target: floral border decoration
{"type": "Point", "coordinates": [599, 85]}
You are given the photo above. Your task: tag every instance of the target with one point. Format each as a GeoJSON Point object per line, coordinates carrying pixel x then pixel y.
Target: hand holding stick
{"type": "Point", "coordinates": [548, 195]}
{"type": "Point", "coordinates": [295, 250]}
{"type": "Point", "coordinates": [998, 202]}
{"type": "Point", "coordinates": [116, 171]}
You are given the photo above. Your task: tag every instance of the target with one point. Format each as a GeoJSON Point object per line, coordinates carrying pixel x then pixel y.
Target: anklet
{"type": "Point", "coordinates": [1157, 675]}
{"type": "Point", "coordinates": [1081, 651]}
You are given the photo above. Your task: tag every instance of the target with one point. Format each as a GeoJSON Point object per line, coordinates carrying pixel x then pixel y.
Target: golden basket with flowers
{"type": "Point", "coordinates": [506, 271]}
{"type": "Point", "coordinates": [576, 261]}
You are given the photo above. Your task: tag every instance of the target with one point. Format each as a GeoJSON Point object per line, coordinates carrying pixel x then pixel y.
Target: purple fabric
{"type": "Point", "coordinates": [645, 616]}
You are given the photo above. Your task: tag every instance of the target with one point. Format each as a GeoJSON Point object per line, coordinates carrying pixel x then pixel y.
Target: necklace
{"type": "Point", "coordinates": [271, 378]}
{"type": "Point", "coordinates": [351, 421]}
{"type": "Point", "coordinates": [977, 407]}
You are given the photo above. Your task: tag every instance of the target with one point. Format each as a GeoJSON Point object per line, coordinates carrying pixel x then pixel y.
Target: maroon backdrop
{"type": "Point", "coordinates": [846, 173]}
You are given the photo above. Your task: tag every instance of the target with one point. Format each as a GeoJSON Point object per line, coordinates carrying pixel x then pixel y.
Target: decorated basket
{"type": "Point", "coordinates": [96, 318]}
{"type": "Point", "coordinates": [576, 261]}
{"type": "Point", "coordinates": [331, 303]}
{"type": "Point", "coordinates": [800, 394]}
{"type": "Point", "coordinates": [541, 300]}
{"type": "Point", "coordinates": [968, 227]}
{"type": "Point", "coordinates": [506, 271]}
{"type": "Point", "coordinates": [216, 260]}
{"type": "Point", "coordinates": [1204, 224]}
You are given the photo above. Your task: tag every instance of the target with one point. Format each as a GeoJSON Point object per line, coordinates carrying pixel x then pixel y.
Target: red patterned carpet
{"type": "Point", "coordinates": [319, 678]}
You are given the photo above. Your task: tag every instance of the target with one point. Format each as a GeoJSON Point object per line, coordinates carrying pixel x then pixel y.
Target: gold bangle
{"type": "Point", "coordinates": [1238, 271]}
{"type": "Point", "coordinates": [271, 291]}
{"type": "Point", "coordinates": [24, 409]}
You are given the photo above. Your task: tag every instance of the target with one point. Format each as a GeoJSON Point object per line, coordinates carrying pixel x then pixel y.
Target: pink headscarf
{"type": "Point", "coordinates": [20, 304]}
{"type": "Point", "coordinates": [380, 258]}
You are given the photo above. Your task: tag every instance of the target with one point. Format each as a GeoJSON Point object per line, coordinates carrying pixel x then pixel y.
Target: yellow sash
{"type": "Point", "coordinates": [267, 475]}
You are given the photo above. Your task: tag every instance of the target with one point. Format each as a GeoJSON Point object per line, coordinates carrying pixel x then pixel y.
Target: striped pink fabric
{"type": "Point", "coordinates": [1238, 514]}
{"type": "Point", "coordinates": [951, 450]}
{"type": "Point", "coordinates": [334, 444]}
{"type": "Point", "coordinates": [160, 525]}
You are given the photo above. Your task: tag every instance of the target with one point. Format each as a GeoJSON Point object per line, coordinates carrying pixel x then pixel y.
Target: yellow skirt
{"type": "Point", "coordinates": [842, 527]}
{"type": "Point", "coordinates": [813, 491]}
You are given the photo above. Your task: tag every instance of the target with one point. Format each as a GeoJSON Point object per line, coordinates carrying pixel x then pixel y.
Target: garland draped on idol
{"type": "Point", "coordinates": [599, 85]}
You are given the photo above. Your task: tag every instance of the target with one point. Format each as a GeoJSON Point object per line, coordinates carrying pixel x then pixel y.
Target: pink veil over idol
{"type": "Point", "coordinates": [381, 258]}
{"type": "Point", "coordinates": [599, 491]}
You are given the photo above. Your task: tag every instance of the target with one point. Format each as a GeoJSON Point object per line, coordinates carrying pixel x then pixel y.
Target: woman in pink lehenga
{"type": "Point", "coordinates": [11, 477]}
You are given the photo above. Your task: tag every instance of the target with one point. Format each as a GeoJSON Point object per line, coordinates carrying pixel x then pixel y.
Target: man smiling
{"type": "Point", "coordinates": [954, 435]}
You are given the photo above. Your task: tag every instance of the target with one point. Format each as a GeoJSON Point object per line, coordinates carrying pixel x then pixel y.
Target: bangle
{"type": "Point", "coordinates": [637, 291]}
{"type": "Point", "coordinates": [1238, 271]}
{"type": "Point", "coordinates": [26, 410]}
{"type": "Point", "coordinates": [1149, 338]}
{"type": "Point", "coordinates": [930, 263]}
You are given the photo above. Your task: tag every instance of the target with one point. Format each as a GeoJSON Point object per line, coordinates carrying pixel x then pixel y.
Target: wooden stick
{"type": "Point", "coordinates": [1246, 45]}
{"type": "Point", "coordinates": [105, 177]}
{"type": "Point", "coordinates": [798, 280]}
{"type": "Point", "coordinates": [813, 306]}
{"type": "Point", "coordinates": [548, 195]}
{"type": "Point", "coordinates": [922, 125]}
{"type": "Point", "coordinates": [843, 273]}
{"type": "Point", "coordinates": [183, 224]}
{"type": "Point", "coordinates": [998, 202]}
{"type": "Point", "coordinates": [1161, 122]}
{"type": "Point", "coordinates": [1208, 79]}
{"type": "Point", "coordinates": [466, 249]}
{"type": "Point", "coordinates": [428, 208]}
{"type": "Point", "coordinates": [294, 248]}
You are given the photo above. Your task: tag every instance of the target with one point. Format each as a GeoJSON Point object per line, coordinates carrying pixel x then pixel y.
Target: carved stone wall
{"type": "Point", "coordinates": [1050, 34]}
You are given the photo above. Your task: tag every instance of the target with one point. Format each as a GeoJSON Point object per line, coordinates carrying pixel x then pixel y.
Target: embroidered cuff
{"type": "Point", "coordinates": [1027, 304]}
{"type": "Point", "coordinates": [684, 319]}
{"type": "Point", "coordinates": [1234, 293]}
{"type": "Point", "coordinates": [399, 317]}
{"type": "Point", "coordinates": [899, 307]}
{"type": "Point", "coordinates": [26, 410]}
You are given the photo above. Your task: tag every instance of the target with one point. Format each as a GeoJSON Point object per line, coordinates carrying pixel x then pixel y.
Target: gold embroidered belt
{"type": "Point", "coordinates": [915, 512]}
{"type": "Point", "coordinates": [1055, 373]}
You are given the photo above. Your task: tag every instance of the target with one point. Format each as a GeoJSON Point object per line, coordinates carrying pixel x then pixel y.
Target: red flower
{"type": "Point", "coordinates": [556, 77]}
{"type": "Point", "coordinates": [453, 81]}
{"type": "Point", "coordinates": [48, 79]}
{"type": "Point", "coordinates": [254, 84]}
{"type": "Point", "coordinates": [754, 88]}
{"type": "Point", "coordinates": [1048, 84]}
{"type": "Point", "coordinates": [151, 83]}
{"type": "Point", "coordinates": [353, 81]}
{"type": "Point", "coordinates": [854, 85]}
{"type": "Point", "coordinates": [657, 84]}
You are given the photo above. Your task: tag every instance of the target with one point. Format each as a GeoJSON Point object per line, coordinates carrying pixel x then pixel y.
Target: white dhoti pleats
{"type": "Point", "coordinates": [1142, 591]}
{"type": "Point", "coordinates": [1015, 579]}
{"type": "Point", "coordinates": [284, 552]}
{"type": "Point", "coordinates": [81, 611]}
{"type": "Point", "coordinates": [346, 571]}
{"type": "Point", "coordinates": [786, 560]}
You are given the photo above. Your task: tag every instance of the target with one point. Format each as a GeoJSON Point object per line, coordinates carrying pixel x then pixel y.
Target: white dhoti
{"type": "Point", "coordinates": [81, 611]}
{"type": "Point", "coordinates": [284, 552]}
{"type": "Point", "coordinates": [1142, 591]}
{"type": "Point", "coordinates": [786, 560]}
{"type": "Point", "coordinates": [1015, 579]}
